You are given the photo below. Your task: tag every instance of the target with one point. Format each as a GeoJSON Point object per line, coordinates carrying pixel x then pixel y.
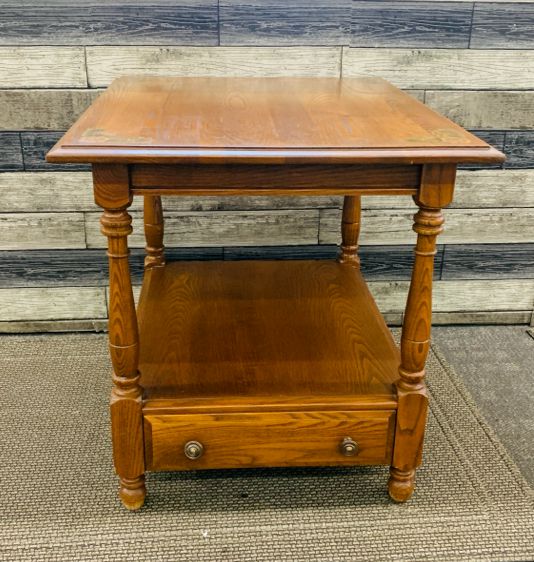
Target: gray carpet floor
{"type": "Point", "coordinates": [496, 364]}
{"type": "Point", "coordinates": [58, 491]}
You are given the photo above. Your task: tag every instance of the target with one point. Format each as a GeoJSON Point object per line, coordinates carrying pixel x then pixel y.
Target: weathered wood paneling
{"type": "Point", "coordinates": [35, 145]}
{"type": "Point", "coordinates": [239, 228]}
{"type": "Point", "coordinates": [27, 192]}
{"type": "Point", "coordinates": [113, 22]}
{"type": "Point", "coordinates": [43, 109]}
{"type": "Point", "coordinates": [461, 295]}
{"type": "Point", "coordinates": [80, 268]}
{"type": "Point", "coordinates": [44, 326]}
{"type": "Point", "coordinates": [486, 109]}
{"type": "Point", "coordinates": [519, 148]}
{"type": "Point", "coordinates": [444, 68]}
{"type": "Point", "coordinates": [489, 261]}
{"type": "Point", "coordinates": [73, 191]}
{"type": "Point", "coordinates": [19, 231]}
{"type": "Point", "coordinates": [462, 226]}
{"type": "Point", "coordinates": [410, 24]}
{"type": "Point", "coordinates": [278, 22]}
{"type": "Point", "coordinates": [106, 63]}
{"type": "Point", "coordinates": [498, 26]}
{"type": "Point", "coordinates": [56, 303]}
{"type": "Point", "coordinates": [10, 152]}
{"type": "Point", "coordinates": [41, 67]}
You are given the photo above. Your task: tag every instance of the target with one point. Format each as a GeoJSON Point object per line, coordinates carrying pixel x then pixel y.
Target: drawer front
{"type": "Point", "coordinates": [240, 440]}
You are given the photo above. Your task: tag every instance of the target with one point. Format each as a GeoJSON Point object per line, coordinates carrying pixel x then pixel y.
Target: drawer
{"type": "Point", "coordinates": [239, 440]}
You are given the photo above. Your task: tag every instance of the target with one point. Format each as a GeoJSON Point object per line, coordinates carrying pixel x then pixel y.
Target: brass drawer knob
{"type": "Point", "coordinates": [349, 447]}
{"type": "Point", "coordinates": [193, 450]}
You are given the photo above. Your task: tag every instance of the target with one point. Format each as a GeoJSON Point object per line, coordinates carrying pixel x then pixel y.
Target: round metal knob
{"type": "Point", "coordinates": [349, 447]}
{"type": "Point", "coordinates": [193, 450]}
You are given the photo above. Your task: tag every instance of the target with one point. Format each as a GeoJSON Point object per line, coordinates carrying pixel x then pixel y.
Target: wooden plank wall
{"type": "Point", "coordinates": [473, 61]}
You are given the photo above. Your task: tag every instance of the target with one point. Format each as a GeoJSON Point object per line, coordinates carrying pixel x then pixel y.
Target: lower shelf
{"type": "Point", "coordinates": [263, 336]}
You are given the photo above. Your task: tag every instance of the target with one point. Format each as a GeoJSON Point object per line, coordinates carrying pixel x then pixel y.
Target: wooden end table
{"type": "Point", "coordinates": [265, 363]}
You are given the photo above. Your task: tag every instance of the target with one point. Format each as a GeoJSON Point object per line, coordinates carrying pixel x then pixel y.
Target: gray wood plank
{"type": "Point", "coordinates": [461, 295]}
{"type": "Point", "coordinates": [10, 152]}
{"type": "Point", "coordinates": [215, 229]}
{"type": "Point", "coordinates": [488, 261]}
{"type": "Point", "coordinates": [454, 69]}
{"type": "Point", "coordinates": [43, 109]}
{"type": "Point", "coordinates": [113, 22]}
{"type": "Point", "coordinates": [494, 138]}
{"type": "Point", "coordinates": [85, 268]}
{"type": "Point", "coordinates": [462, 226]}
{"type": "Point", "coordinates": [498, 26]}
{"type": "Point", "coordinates": [278, 22]}
{"type": "Point", "coordinates": [410, 24]}
{"type": "Point", "coordinates": [485, 109]}
{"type": "Point", "coordinates": [26, 231]}
{"type": "Point", "coordinates": [52, 303]}
{"type": "Point", "coordinates": [106, 63]}
{"type": "Point", "coordinates": [73, 191]}
{"type": "Point", "coordinates": [519, 148]}
{"type": "Point", "coordinates": [35, 145]}
{"type": "Point", "coordinates": [41, 67]}
{"type": "Point", "coordinates": [485, 317]}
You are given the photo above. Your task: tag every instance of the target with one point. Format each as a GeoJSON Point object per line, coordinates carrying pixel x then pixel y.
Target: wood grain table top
{"type": "Point", "coordinates": [170, 119]}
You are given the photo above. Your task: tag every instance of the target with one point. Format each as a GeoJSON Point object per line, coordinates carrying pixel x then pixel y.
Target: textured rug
{"type": "Point", "coordinates": [58, 491]}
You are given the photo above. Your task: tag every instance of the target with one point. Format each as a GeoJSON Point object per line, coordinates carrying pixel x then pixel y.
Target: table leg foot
{"type": "Point", "coordinates": [132, 492]}
{"type": "Point", "coordinates": [401, 484]}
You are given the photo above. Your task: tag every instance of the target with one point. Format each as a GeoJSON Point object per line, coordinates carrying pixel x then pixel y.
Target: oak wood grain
{"type": "Point", "coordinates": [268, 439]}
{"type": "Point", "coordinates": [271, 120]}
{"type": "Point", "coordinates": [277, 328]}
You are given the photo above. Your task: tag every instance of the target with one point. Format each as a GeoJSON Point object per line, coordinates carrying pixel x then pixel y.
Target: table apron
{"type": "Point", "coordinates": [275, 179]}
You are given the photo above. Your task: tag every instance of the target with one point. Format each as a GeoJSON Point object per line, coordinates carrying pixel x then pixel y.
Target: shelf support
{"type": "Point", "coordinates": [111, 188]}
{"type": "Point", "coordinates": [153, 219]}
{"type": "Point", "coordinates": [437, 185]}
{"type": "Point", "coordinates": [350, 230]}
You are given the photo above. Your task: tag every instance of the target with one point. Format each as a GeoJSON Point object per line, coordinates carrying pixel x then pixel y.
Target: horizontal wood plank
{"type": "Point", "coordinates": [485, 109]}
{"type": "Point", "coordinates": [277, 22]}
{"type": "Point", "coordinates": [239, 228]}
{"type": "Point", "coordinates": [494, 138]}
{"type": "Point", "coordinates": [498, 26]}
{"type": "Point", "coordinates": [106, 63]}
{"type": "Point", "coordinates": [488, 261]}
{"type": "Point", "coordinates": [519, 147]}
{"type": "Point", "coordinates": [41, 67]}
{"type": "Point", "coordinates": [461, 295]}
{"type": "Point", "coordinates": [43, 109]}
{"type": "Point", "coordinates": [52, 303]}
{"type": "Point", "coordinates": [410, 24]}
{"type": "Point", "coordinates": [462, 226]}
{"type": "Point", "coordinates": [51, 326]}
{"type": "Point", "coordinates": [20, 231]}
{"type": "Point", "coordinates": [35, 145]}
{"type": "Point", "coordinates": [444, 68]}
{"type": "Point", "coordinates": [113, 22]}
{"type": "Point", "coordinates": [73, 191]}
{"type": "Point", "coordinates": [10, 152]}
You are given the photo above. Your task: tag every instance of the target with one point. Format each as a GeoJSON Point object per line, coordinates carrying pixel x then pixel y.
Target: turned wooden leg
{"type": "Point", "coordinates": [126, 395]}
{"type": "Point", "coordinates": [153, 216]}
{"type": "Point", "coordinates": [436, 189]}
{"type": "Point", "coordinates": [350, 230]}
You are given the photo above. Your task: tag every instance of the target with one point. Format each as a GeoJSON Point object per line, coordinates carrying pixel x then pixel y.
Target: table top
{"type": "Point", "coordinates": [171, 119]}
